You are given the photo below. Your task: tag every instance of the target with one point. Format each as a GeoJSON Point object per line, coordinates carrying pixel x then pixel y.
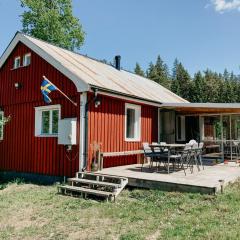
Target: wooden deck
{"type": "Point", "coordinates": [204, 181]}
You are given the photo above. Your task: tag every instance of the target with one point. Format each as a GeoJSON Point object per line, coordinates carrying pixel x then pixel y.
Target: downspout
{"type": "Point", "coordinates": [86, 138]}
{"type": "Point", "coordinates": [85, 166]}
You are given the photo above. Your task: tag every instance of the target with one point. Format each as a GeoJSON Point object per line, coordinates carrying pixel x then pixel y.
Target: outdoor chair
{"type": "Point", "coordinates": [164, 149]}
{"type": "Point", "coordinates": [194, 155]}
{"type": "Point", "coordinates": [148, 154]}
{"type": "Point", "coordinates": [185, 157]}
{"type": "Point", "coordinates": [161, 153]}
{"type": "Point", "coordinates": [181, 158]}
{"type": "Point", "coordinates": [192, 142]}
{"type": "Point", "coordinates": [199, 152]}
{"type": "Point", "coordinates": [235, 149]}
{"type": "Point", "coordinates": [178, 158]}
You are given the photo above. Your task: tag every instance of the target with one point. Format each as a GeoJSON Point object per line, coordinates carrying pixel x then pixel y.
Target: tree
{"type": "Point", "coordinates": [158, 72]}
{"type": "Point", "coordinates": [138, 70]}
{"type": "Point", "coordinates": [181, 82]}
{"type": "Point", "coordinates": [52, 21]}
{"type": "Point", "coordinates": [175, 85]}
{"type": "Point", "coordinates": [212, 87]}
{"type": "Point", "coordinates": [198, 94]}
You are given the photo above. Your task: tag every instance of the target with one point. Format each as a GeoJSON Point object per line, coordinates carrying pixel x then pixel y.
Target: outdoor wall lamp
{"type": "Point", "coordinates": [97, 102]}
{"type": "Point", "coordinates": [17, 85]}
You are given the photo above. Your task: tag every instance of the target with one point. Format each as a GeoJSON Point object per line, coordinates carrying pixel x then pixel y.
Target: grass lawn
{"type": "Point", "coordinates": [29, 211]}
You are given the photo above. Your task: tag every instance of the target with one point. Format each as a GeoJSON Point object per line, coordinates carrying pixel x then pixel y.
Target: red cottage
{"type": "Point", "coordinates": [115, 108]}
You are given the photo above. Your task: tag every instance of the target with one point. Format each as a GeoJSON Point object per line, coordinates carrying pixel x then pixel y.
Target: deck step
{"type": "Point", "coordinates": [67, 188]}
{"type": "Point", "coordinates": [101, 177]}
{"type": "Point", "coordinates": [88, 183]}
{"type": "Point", "coordinates": [94, 183]}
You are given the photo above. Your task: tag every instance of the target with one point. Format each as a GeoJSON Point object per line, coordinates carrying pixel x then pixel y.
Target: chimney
{"type": "Point", "coordinates": [117, 62]}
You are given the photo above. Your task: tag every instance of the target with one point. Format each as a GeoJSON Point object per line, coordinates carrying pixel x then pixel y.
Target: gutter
{"type": "Point", "coordinates": [129, 97]}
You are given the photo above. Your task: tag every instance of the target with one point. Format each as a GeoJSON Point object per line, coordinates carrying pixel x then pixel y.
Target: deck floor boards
{"type": "Point", "coordinates": [204, 181]}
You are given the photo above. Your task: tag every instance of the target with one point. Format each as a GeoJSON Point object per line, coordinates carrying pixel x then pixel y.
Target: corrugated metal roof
{"type": "Point", "coordinates": [96, 73]}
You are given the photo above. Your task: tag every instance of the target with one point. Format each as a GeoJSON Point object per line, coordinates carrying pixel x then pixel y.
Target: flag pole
{"type": "Point", "coordinates": [61, 92]}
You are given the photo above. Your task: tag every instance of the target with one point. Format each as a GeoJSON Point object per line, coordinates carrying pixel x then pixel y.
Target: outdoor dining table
{"type": "Point", "coordinates": [168, 146]}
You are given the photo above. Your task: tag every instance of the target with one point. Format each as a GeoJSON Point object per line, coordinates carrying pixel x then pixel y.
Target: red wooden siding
{"type": "Point", "coordinates": [20, 150]}
{"type": "Point", "coordinates": [107, 126]}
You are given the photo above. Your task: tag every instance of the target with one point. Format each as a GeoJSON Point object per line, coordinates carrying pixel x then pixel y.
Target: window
{"type": "Point", "coordinates": [27, 59]}
{"type": "Point", "coordinates": [132, 122]}
{"type": "Point", "coordinates": [1, 125]}
{"type": "Point", "coordinates": [17, 62]}
{"type": "Point", "coordinates": [180, 128]}
{"type": "Point", "coordinates": [46, 120]}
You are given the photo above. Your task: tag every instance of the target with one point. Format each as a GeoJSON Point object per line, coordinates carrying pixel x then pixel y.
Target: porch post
{"type": "Point", "coordinates": [230, 134]}
{"type": "Point", "coordinates": [201, 128]}
{"type": "Point", "coordinates": [159, 125]}
{"type": "Point", "coordinates": [221, 123]}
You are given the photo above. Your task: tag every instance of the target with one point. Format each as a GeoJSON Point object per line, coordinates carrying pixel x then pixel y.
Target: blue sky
{"type": "Point", "coordinates": [200, 33]}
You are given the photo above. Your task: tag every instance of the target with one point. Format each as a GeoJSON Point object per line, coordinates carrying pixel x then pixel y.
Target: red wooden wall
{"type": "Point", "coordinates": [20, 150]}
{"type": "Point", "coordinates": [107, 127]}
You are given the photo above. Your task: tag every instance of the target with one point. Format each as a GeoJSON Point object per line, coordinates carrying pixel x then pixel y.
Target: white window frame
{"type": "Point", "coordinates": [15, 62]}
{"type": "Point", "coordinates": [2, 133]}
{"type": "Point", "coordinates": [137, 124]}
{"type": "Point", "coordinates": [25, 57]}
{"type": "Point", "coordinates": [38, 119]}
{"type": "Point", "coordinates": [183, 128]}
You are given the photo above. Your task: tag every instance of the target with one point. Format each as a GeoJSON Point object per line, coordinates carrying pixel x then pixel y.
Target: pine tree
{"type": "Point", "coordinates": [212, 87]}
{"type": "Point", "coordinates": [158, 72]}
{"type": "Point", "coordinates": [181, 81]}
{"type": "Point", "coordinates": [162, 72]}
{"type": "Point", "coordinates": [198, 94]}
{"type": "Point", "coordinates": [138, 70]}
{"type": "Point", "coordinates": [151, 72]}
{"type": "Point", "coordinates": [175, 86]}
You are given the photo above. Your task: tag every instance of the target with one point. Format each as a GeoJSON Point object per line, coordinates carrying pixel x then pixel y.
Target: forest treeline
{"type": "Point", "coordinates": [206, 86]}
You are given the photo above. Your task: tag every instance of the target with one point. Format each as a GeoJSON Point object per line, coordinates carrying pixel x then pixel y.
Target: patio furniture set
{"type": "Point", "coordinates": [179, 156]}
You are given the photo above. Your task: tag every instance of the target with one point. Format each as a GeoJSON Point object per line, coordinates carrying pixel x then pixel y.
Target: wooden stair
{"type": "Point", "coordinates": [89, 184]}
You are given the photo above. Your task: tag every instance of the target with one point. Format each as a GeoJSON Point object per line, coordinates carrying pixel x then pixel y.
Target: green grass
{"type": "Point", "coordinates": [30, 211]}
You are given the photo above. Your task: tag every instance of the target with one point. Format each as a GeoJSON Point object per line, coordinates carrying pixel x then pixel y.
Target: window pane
{"type": "Point", "coordinates": [212, 128]}
{"type": "Point", "coordinates": [16, 62]}
{"type": "Point", "coordinates": [27, 60]}
{"type": "Point", "coordinates": [45, 122]}
{"type": "Point", "coordinates": [235, 127]}
{"type": "Point", "coordinates": [55, 114]}
{"type": "Point", "coordinates": [130, 123]}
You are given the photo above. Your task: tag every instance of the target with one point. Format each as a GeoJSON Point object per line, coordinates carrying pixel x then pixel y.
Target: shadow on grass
{"type": "Point", "coordinates": [5, 182]}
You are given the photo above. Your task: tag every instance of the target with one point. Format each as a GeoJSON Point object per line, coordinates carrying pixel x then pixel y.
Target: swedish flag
{"type": "Point", "coordinates": [46, 88]}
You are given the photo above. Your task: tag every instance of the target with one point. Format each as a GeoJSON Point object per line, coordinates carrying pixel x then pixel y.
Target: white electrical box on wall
{"type": "Point", "coordinates": [67, 131]}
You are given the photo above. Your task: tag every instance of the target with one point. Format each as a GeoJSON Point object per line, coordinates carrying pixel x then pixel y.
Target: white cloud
{"type": "Point", "coordinates": [226, 5]}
